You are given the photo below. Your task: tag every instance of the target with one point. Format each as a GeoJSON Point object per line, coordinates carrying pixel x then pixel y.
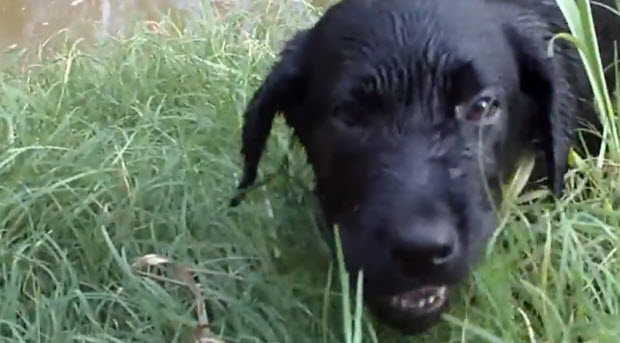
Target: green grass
{"type": "Point", "coordinates": [131, 148]}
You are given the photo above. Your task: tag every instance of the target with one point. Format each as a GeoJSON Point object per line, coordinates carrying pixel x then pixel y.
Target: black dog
{"type": "Point", "coordinates": [412, 114]}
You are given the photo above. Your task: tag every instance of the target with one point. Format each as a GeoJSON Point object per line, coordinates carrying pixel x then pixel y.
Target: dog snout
{"type": "Point", "coordinates": [428, 243]}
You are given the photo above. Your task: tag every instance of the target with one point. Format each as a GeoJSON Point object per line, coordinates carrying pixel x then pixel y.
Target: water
{"type": "Point", "coordinates": [27, 24]}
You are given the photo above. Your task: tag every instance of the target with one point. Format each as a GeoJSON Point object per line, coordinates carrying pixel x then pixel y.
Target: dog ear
{"type": "Point", "coordinates": [282, 88]}
{"type": "Point", "coordinates": [547, 80]}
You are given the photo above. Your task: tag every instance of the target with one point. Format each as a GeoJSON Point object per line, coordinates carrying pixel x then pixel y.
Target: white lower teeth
{"type": "Point", "coordinates": [431, 301]}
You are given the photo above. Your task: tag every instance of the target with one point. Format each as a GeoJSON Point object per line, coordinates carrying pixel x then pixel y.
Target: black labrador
{"type": "Point", "coordinates": [413, 113]}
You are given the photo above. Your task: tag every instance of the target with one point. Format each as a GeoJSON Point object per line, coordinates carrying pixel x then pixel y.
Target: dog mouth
{"type": "Point", "coordinates": [414, 310]}
{"type": "Point", "coordinates": [420, 301]}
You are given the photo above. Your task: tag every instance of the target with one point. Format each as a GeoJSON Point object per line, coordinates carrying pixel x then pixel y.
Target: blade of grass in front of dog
{"type": "Point", "coordinates": [617, 73]}
{"type": "Point", "coordinates": [603, 97]}
{"type": "Point", "coordinates": [546, 261]}
{"type": "Point", "coordinates": [573, 16]}
{"type": "Point", "coordinates": [344, 285]}
{"type": "Point", "coordinates": [352, 326]}
{"type": "Point", "coordinates": [372, 333]}
{"type": "Point", "coordinates": [578, 15]}
{"type": "Point", "coordinates": [326, 300]}
{"type": "Point", "coordinates": [357, 328]}
{"type": "Point", "coordinates": [520, 177]}
{"type": "Point", "coordinates": [616, 62]}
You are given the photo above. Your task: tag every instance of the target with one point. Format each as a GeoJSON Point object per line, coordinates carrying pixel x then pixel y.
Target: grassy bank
{"type": "Point", "coordinates": [131, 148]}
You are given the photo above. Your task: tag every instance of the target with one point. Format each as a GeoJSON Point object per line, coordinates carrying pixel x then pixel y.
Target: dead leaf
{"type": "Point", "coordinates": [149, 261]}
{"type": "Point", "coordinates": [182, 275]}
{"type": "Point", "coordinates": [203, 334]}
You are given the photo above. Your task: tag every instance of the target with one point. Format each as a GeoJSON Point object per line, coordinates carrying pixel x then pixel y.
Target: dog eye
{"type": "Point", "coordinates": [346, 117]}
{"type": "Point", "coordinates": [483, 108]}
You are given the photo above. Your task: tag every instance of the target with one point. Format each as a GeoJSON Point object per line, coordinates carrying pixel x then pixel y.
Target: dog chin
{"type": "Point", "coordinates": [412, 311]}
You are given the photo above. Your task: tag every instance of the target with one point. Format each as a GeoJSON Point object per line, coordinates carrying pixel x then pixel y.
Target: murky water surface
{"type": "Point", "coordinates": [26, 24]}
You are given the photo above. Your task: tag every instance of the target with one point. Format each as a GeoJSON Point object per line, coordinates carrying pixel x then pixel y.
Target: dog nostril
{"type": "Point", "coordinates": [435, 243]}
{"type": "Point", "coordinates": [443, 254]}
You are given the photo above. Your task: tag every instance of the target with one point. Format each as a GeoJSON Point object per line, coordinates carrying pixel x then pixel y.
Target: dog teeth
{"type": "Point", "coordinates": [430, 301]}
{"type": "Point", "coordinates": [455, 173]}
{"type": "Point", "coordinates": [404, 303]}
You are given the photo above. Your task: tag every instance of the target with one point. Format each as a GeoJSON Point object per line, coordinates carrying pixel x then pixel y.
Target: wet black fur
{"type": "Point", "coordinates": [371, 90]}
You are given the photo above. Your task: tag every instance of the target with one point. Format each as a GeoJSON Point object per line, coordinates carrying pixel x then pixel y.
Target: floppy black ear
{"type": "Point", "coordinates": [549, 81]}
{"type": "Point", "coordinates": [282, 88]}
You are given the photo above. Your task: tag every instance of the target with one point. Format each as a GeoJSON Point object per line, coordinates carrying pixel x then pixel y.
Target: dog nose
{"type": "Point", "coordinates": [434, 242]}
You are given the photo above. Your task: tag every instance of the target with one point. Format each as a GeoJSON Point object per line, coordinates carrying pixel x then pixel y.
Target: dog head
{"type": "Point", "coordinates": [412, 114]}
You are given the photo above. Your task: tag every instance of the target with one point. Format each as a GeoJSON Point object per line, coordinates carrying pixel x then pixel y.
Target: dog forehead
{"type": "Point", "coordinates": [358, 35]}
